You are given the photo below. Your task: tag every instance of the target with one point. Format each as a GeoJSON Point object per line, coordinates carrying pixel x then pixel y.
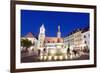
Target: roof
{"type": "Point", "coordinates": [85, 29]}
{"type": "Point", "coordinates": [30, 34]}
{"type": "Point", "coordinates": [53, 39]}
{"type": "Point", "coordinates": [76, 30]}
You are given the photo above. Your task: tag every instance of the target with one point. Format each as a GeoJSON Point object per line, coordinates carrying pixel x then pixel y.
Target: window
{"type": "Point", "coordinates": [88, 35]}
{"type": "Point", "coordinates": [84, 36]}
{"type": "Point", "coordinates": [58, 40]}
{"type": "Point", "coordinates": [85, 42]}
{"type": "Point", "coordinates": [48, 41]}
{"type": "Point", "coordinates": [53, 41]}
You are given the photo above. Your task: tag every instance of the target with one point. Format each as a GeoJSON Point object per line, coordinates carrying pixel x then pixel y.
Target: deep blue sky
{"type": "Point", "coordinates": [32, 20]}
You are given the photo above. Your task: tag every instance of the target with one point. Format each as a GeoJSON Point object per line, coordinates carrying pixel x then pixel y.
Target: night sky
{"type": "Point", "coordinates": [31, 21]}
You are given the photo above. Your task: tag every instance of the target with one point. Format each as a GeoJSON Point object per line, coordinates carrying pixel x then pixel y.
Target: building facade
{"type": "Point", "coordinates": [49, 44]}
{"type": "Point", "coordinates": [78, 39]}
{"type": "Point", "coordinates": [31, 38]}
{"type": "Point", "coordinates": [86, 39]}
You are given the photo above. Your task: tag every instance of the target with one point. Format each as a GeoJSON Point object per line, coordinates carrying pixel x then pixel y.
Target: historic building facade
{"type": "Point", "coordinates": [86, 39]}
{"type": "Point", "coordinates": [74, 40]}
{"type": "Point", "coordinates": [31, 38]}
{"type": "Point", "coordinates": [78, 39]}
{"type": "Point", "coordinates": [58, 47]}
{"type": "Point", "coordinates": [50, 44]}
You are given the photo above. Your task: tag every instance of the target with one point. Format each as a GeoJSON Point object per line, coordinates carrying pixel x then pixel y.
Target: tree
{"type": "Point", "coordinates": [25, 43]}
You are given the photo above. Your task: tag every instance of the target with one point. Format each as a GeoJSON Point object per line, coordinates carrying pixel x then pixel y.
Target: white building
{"type": "Point", "coordinates": [73, 40]}
{"type": "Point", "coordinates": [31, 38]}
{"type": "Point", "coordinates": [78, 40]}
{"type": "Point", "coordinates": [86, 39]}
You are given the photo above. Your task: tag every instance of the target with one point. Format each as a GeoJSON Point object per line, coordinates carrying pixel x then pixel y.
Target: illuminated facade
{"type": "Point", "coordinates": [57, 47]}
{"type": "Point", "coordinates": [78, 39]}
{"type": "Point", "coordinates": [31, 38]}
{"type": "Point", "coordinates": [86, 39]}
{"type": "Point", "coordinates": [49, 43]}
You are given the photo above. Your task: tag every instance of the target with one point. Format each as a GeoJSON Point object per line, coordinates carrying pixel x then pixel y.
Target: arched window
{"type": "Point", "coordinates": [85, 42]}
{"type": "Point", "coordinates": [84, 36]}
{"type": "Point", "coordinates": [53, 41]}
{"type": "Point", "coordinates": [58, 40]}
{"type": "Point", "coordinates": [48, 41]}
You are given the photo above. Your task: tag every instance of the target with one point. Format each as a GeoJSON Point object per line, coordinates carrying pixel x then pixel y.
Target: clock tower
{"type": "Point", "coordinates": [41, 37]}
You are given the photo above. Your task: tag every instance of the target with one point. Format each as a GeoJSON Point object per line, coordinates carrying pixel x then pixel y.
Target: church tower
{"type": "Point", "coordinates": [41, 37]}
{"type": "Point", "coordinates": [59, 33]}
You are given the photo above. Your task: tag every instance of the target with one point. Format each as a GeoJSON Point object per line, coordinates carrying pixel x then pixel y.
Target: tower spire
{"type": "Point", "coordinates": [59, 33]}
{"type": "Point", "coordinates": [42, 29]}
{"type": "Point", "coordinates": [58, 28]}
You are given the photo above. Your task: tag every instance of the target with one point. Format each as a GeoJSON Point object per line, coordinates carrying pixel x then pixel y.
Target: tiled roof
{"type": "Point", "coordinates": [76, 30]}
{"type": "Point", "coordinates": [29, 35]}
{"type": "Point", "coordinates": [85, 29]}
{"type": "Point", "coordinates": [53, 39]}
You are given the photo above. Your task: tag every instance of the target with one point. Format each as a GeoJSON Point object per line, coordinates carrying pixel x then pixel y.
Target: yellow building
{"type": "Point", "coordinates": [74, 40]}
{"type": "Point", "coordinates": [77, 39]}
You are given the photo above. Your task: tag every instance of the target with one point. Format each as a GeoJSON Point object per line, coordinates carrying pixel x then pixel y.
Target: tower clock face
{"type": "Point", "coordinates": [42, 30]}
